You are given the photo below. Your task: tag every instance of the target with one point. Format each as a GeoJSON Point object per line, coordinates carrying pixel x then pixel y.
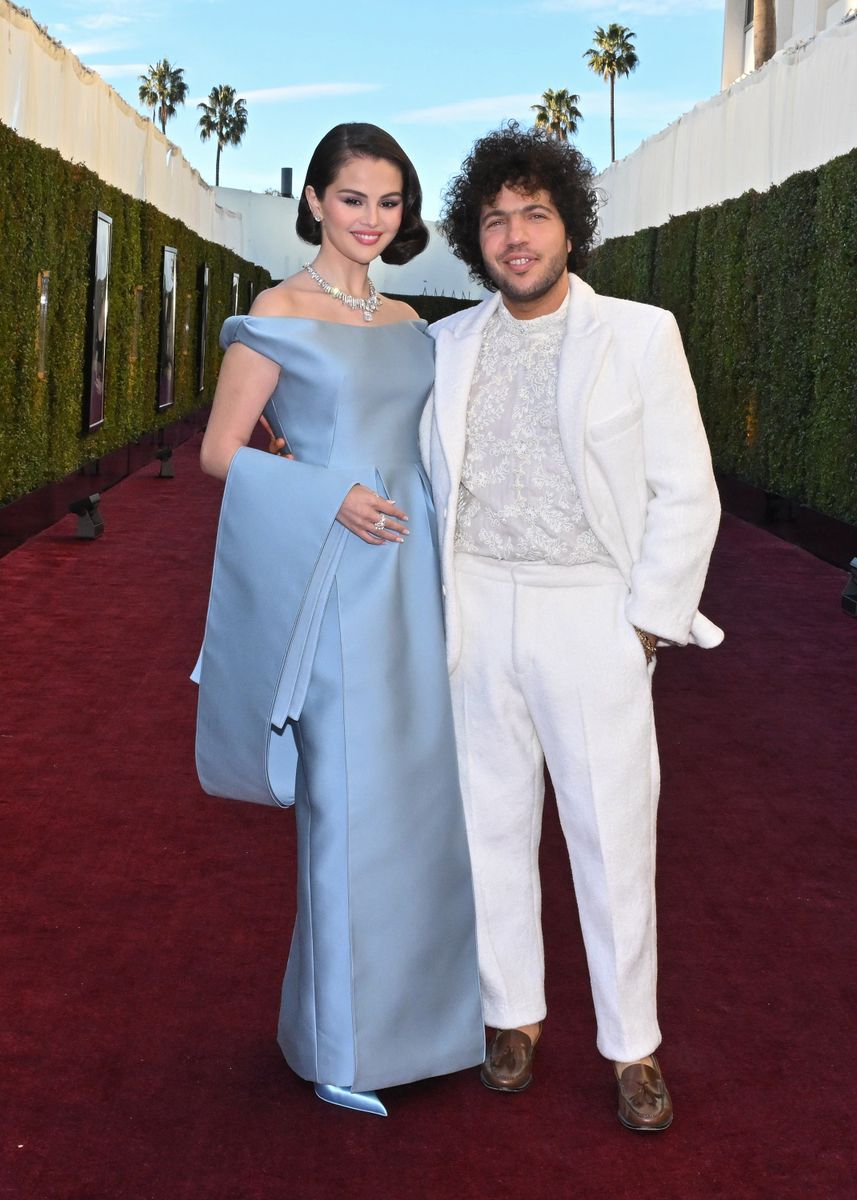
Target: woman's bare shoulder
{"type": "Point", "coordinates": [285, 299]}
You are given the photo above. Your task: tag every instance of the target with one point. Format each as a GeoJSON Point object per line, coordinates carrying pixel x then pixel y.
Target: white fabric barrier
{"type": "Point", "coordinates": [795, 113]}
{"type": "Point", "coordinates": [270, 240]}
{"type": "Point", "coordinates": [47, 95]}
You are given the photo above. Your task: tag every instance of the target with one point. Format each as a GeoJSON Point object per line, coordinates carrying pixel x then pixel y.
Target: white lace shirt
{"type": "Point", "coordinates": [517, 500]}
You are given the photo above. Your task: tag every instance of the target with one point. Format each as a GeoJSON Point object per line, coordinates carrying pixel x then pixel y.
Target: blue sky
{"type": "Point", "coordinates": [435, 74]}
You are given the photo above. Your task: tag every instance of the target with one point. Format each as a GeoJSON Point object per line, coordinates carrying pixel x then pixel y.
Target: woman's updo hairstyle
{"type": "Point", "coordinates": [358, 140]}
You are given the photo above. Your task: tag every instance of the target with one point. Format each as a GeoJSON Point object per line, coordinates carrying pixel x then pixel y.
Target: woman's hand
{"type": "Point", "coordinates": [372, 517]}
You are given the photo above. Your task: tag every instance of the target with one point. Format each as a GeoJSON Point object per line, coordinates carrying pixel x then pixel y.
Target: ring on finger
{"type": "Point", "coordinates": [381, 522]}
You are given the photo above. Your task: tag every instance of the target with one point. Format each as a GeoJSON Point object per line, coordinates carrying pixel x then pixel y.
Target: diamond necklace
{"type": "Point", "coordinates": [368, 307]}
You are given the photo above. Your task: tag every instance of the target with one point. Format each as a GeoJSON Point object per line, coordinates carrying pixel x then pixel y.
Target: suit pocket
{"type": "Point", "coordinates": [621, 422]}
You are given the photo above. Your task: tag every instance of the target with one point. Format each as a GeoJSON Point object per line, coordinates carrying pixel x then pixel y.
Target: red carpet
{"type": "Point", "coordinates": [145, 926]}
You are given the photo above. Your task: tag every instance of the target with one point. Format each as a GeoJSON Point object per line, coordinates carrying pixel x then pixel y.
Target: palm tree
{"type": "Point", "coordinates": [558, 113]}
{"type": "Point", "coordinates": [163, 89]}
{"type": "Point", "coordinates": [613, 55]}
{"type": "Point", "coordinates": [224, 116]}
{"type": "Point", "coordinates": [764, 31]}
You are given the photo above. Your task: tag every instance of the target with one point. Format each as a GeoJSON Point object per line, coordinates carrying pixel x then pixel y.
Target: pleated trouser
{"type": "Point", "coordinates": [551, 669]}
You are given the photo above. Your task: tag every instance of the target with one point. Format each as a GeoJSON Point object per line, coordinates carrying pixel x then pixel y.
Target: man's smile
{"type": "Point", "coordinates": [519, 262]}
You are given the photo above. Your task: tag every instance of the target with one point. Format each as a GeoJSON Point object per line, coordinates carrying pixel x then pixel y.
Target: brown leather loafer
{"type": "Point", "coordinates": [508, 1065]}
{"type": "Point", "coordinates": [644, 1102]}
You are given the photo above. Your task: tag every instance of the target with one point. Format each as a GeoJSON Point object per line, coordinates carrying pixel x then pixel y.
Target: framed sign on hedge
{"type": "Point", "coordinates": [202, 336]}
{"type": "Point", "coordinates": [42, 336]}
{"type": "Point", "coordinates": [93, 399]}
{"type": "Point", "coordinates": [167, 356]}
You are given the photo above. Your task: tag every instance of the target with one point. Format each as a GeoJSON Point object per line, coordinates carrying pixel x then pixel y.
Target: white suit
{"type": "Point", "coordinates": [545, 658]}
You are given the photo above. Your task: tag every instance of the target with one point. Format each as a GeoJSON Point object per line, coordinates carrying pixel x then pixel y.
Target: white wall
{"type": "Point", "coordinates": [795, 113]}
{"type": "Point", "coordinates": [47, 95]}
{"type": "Point", "coordinates": [270, 240]}
{"type": "Point", "coordinates": [266, 221]}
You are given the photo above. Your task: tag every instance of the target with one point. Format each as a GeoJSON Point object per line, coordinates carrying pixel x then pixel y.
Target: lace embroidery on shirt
{"type": "Point", "coordinates": [517, 499]}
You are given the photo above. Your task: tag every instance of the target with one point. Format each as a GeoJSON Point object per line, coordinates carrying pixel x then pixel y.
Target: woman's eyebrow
{"type": "Point", "coordinates": [362, 195]}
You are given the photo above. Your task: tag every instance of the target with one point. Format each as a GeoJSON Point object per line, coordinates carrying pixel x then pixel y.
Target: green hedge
{"type": "Point", "coordinates": [433, 308]}
{"type": "Point", "coordinates": [764, 289]}
{"type": "Point", "coordinates": [47, 209]}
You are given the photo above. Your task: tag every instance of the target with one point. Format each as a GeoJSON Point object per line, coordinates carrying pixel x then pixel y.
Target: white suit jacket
{"type": "Point", "coordinates": [635, 446]}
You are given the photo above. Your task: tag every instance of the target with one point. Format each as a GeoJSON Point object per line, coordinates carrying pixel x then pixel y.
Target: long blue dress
{"type": "Point", "coordinates": [323, 677]}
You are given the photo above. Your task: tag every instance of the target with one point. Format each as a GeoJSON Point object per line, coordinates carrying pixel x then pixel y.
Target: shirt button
{"type": "Point", "coordinates": [444, 513]}
{"type": "Point", "coordinates": [443, 589]}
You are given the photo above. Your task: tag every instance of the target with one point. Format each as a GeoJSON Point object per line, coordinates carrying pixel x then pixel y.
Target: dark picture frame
{"type": "Point", "coordinates": [167, 354]}
{"type": "Point", "coordinates": [202, 331]}
{"type": "Point", "coordinates": [44, 287]}
{"type": "Point", "coordinates": [96, 355]}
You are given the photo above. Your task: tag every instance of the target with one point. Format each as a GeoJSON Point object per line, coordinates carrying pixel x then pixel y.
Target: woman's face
{"type": "Point", "coordinates": [361, 209]}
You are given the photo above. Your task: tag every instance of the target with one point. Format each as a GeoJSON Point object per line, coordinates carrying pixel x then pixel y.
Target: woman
{"type": "Point", "coordinates": [350, 697]}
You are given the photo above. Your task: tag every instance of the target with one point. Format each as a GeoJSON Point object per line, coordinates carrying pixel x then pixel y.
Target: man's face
{"type": "Point", "coordinates": [524, 245]}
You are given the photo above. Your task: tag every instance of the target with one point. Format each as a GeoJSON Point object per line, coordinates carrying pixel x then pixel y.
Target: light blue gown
{"type": "Point", "coordinates": [323, 677]}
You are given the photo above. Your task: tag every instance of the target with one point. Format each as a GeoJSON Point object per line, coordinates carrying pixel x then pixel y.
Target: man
{"type": "Point", "coordinates": [577, 513]}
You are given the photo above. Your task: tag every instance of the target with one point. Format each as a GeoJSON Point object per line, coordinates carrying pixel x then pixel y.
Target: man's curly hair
{"type": "Point", "coordinates": [529, 161]}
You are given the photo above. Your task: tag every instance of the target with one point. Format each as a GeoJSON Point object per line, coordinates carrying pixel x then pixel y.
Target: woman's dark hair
{"type": "Point", "coordinates": [529, 161]}
{"type": "Point", "coordinates": [358, 140]}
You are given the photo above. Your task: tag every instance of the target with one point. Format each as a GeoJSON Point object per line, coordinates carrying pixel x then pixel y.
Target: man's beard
{"type": "Point", "coordinates": [532, 289]}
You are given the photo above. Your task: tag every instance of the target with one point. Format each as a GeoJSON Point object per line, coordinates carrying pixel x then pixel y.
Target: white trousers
{"type": "Point", "coordinates": [551, 669]}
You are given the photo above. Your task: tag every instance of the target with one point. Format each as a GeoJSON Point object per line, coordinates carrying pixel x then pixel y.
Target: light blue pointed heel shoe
{"type": "Point", "coordinates": [366, 1102]}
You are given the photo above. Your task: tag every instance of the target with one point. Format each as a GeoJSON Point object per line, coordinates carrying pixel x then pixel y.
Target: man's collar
{"type": "Point", "coordinates": [582, 312]}
{"type": "Point", "coordinates": [474, 320]}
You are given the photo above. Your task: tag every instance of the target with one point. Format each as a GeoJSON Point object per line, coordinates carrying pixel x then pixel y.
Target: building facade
{"type": "Point", "coordinates": [797, 20]}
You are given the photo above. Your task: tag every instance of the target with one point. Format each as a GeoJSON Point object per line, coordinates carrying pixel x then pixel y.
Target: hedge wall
{"type": "Point", "coordinates": [47, 209]}
{"type": "Point", "coordinates": [764, 289]}
{"type": "Point", "coordinates": [434, 308]}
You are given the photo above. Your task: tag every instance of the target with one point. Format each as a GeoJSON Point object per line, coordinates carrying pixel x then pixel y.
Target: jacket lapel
{"type": "Point", "coordinates": [455, 363]}
{"type": "Point", "coordinates": [584, 349]}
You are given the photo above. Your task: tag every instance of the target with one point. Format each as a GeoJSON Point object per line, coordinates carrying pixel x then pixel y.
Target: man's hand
{"type": "Point", "coordinates": [649, 643]}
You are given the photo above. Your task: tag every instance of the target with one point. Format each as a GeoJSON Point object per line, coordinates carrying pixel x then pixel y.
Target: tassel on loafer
{"type": "Point", "coordinates": [508, 1065]}
{"type": "Point", "coordinates": [644, 1102]}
